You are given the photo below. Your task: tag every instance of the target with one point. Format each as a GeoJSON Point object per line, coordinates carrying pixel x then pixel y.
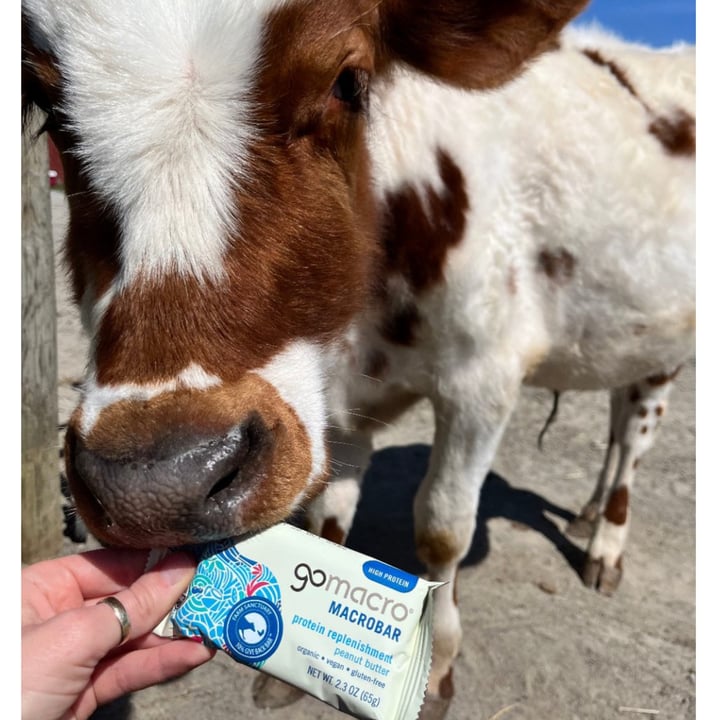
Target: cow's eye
{"type": "Point", "coordinates": [351, 88]}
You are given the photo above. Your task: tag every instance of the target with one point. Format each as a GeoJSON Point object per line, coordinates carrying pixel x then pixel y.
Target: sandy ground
{"type": "Point", "coordinates": [538, 645]}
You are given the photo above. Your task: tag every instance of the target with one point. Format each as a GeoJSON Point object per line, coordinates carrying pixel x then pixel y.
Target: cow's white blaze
{"type": "Point", "coordinates": [158, 93]}
{"type": "Point", "coordinates": [97, 397]}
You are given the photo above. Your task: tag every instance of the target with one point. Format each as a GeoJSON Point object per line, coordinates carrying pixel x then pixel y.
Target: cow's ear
{"type": "Point", "coordinates": [471, 43]}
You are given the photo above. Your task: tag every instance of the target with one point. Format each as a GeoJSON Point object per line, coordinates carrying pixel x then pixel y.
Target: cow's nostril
{"type": "Point", "coordinates": [222, 483]}
{"type": "Point", "coordinates": [239, 448]}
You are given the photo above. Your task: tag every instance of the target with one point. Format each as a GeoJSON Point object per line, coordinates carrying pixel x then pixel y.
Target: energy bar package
{"type": "Point", "coordinates": [343, 627]}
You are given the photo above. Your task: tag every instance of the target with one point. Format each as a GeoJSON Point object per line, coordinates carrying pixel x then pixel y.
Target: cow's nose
{"type": "Point", "coordinates": [184, 488]}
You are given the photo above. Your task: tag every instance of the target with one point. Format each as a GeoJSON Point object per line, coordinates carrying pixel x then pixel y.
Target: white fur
{"type": "Point", "coordinates": [98, 397]}
{"type": "Point", "coordinates": [609, 541]}
{"type": "Point", "coordinates": [93, 309]}
{"type": "Point", "coordinates": [158, 92]}
{"type": "Point", "coordinates": [298, 374]}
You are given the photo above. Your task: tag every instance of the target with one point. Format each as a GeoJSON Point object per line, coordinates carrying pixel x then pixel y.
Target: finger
{"type": "Point", "coordinates": [141, 668]}
{"type": "Point", "coordinates": [142, 643]}
{"type": "Point", "coordinates": [95, 573]}
{"type": "Point", "coordinates": [105, 571]}
{"type": "Point", "coordinates": [150, 640]}
{"type": "Point", "coordinates": [151, 596]}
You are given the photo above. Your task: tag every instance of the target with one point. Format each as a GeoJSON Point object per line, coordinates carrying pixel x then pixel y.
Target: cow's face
{"type": "Point", "coordinates": [222, 231]}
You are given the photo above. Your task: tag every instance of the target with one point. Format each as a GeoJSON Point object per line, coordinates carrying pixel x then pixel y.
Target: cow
{"type": "Point", "coordinates": [289, 220]}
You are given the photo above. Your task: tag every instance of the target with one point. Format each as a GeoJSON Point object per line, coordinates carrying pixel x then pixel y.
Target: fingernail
{"type": "Point", "coordinates": [177, 567]}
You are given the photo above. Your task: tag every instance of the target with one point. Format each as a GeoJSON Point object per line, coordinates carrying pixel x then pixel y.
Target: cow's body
{"type": "Point", "coordinates": [398, 234]}
{"type": "Point", "coordinates": [572, 268]}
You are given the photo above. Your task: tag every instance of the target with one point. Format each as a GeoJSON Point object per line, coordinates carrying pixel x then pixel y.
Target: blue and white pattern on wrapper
{"type": "Point", "coordinates": [231, 593]}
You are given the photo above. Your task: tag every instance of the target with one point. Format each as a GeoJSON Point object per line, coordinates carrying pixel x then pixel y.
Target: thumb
{"type": "Point", "coordinates": [148, 599]}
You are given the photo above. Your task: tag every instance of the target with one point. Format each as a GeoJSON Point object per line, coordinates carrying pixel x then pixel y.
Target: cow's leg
{"type": "Point", "coordinates": [583, 525]}
{"type": "Point", "coordinates": [331, 514]}
{"type": "Point", "coordinates": [640, 407]}
{"type": "Point", "coordinates": [468, 429]}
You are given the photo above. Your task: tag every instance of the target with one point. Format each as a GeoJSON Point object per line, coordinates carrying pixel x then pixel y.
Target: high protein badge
{"type": "Point", "coordinates": [346, 628]}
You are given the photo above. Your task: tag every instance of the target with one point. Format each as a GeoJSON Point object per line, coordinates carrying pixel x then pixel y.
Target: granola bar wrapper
{"type": "Point", "coordinates": [341, 626]}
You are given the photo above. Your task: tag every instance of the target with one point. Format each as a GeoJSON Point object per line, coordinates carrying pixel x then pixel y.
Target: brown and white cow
{"type": "Point", "coordinates": [284, 209]}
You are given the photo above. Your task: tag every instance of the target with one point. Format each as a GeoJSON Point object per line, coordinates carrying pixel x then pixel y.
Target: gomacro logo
{"type": "Point", "coordinates": [340, 587]}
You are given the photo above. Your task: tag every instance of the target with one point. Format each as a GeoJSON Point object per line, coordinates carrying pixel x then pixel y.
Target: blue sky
{"type": "Point", "coordinates": [652, 22]}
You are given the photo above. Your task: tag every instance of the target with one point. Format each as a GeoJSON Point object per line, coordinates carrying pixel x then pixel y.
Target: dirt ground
{"type": "Point", "coordinates": [537, 644]}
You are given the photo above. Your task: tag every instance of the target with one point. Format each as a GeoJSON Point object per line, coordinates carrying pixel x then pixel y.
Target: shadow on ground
{"type": "Point", "coordinates": [383, 525]}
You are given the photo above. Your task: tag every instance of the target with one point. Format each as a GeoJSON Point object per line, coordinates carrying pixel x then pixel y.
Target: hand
{"type": "Point", "coordinates": [71, 662]}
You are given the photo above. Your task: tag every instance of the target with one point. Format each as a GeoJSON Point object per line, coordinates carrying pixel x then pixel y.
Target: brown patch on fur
{"type": "Point", "coordinates": [617, 506]}
{"type": "Point", "coordinates": [473, 45]}
{"type": "Point", "coordinates": [636, 462]}
{"type": "Point", "coordinates": [643, 429]}
{"type": "Point", "coordinates": [447, 688]}
{"type": "Point", "coordinates": [332, 531]}
{"type": "Point", "coordinates": [616, 71]}
{"type": "Point", "coordinates": [659, 410]}
{"type": "Point", "coordinates": [634, 393]}
{"type": "Point", "coordinates": [419, 230]}
{"type": "Point", "coordinates": [643, 411]}
{"type": "Point", "coordinates": [662, 378]}
{"type": "Point", "coordinates": [676, 133]}
{"type": "Point", "coordinates": [558, 266]}
{"type": "Point", "coordinates": [455, 589]}
{"type": "Point", "coordinates": [421, 226]}
{"type": "Point", "coordinates": [437, 548]}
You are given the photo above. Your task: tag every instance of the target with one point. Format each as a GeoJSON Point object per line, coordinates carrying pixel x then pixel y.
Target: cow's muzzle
{"type": "Point", "coordinates": [189, 489]}
{"type": "Point", "coordinates": [189, 467]}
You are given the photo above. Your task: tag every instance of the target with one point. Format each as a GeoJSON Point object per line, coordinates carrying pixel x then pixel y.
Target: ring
{"type": "Point", "coordinates": [121, 614]}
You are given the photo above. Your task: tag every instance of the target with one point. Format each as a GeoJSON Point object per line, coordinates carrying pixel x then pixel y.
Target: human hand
{"type": "Point", "coordinates": [71, 661]}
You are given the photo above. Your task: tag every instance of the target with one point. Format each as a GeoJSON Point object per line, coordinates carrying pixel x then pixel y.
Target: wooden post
{"type": "Point", "coordinates": [41, 497]}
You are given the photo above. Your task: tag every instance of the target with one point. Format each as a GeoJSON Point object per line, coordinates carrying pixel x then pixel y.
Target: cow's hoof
{"type": "Point", "coordinates": [580, 527]}
{"type": "Point", "coordinates": [434, 707]}
{"type": "Point", "coordinates": [269, 692]}
{"type": "Point", "coordinates": [600, 576]}
{"type": "Point", "coordinates": [436, 704]}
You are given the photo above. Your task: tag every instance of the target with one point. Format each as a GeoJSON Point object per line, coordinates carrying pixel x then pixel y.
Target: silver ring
{"type": "Point", "coordinates": [121, 614]}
